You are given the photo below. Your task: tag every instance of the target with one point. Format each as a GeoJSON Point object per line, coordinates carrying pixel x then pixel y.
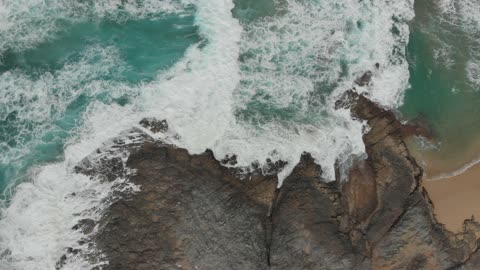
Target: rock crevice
{"type": "Point", "coordinates": [193, 213]}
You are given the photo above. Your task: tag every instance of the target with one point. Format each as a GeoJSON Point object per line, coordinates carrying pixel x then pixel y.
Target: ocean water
{"type": "Point", "coordinates": [257, 79]}
{"type": "Point", "coordinates": [444, 57]}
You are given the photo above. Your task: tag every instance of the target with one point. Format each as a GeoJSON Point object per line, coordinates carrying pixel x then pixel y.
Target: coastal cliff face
{"type": "Point", "coordinates": [190, 212]}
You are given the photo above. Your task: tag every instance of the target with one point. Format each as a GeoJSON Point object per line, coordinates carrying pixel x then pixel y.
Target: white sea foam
{"type": "Point", "coordinates": [26, 23]}
{"type": "Point", "coordinates": [36, 228]}
{"type": "Point", "coordinates": [458, 172]}
{"type": "Point", "coordinates": [473, 72]}
{"type": "Point", "coordinates": [137, 9]}
{"type": "Point", "coordinates": [205, 97]}
{"type": "Point", "coordinates": [285, 56]}
{"type": "Point", "coordinates": [196, 95]}
{"type": "Point", "coordinates": [200, 94]}
{"type": "Point", "coordinates": [38, 102]}
{"type": "Point", "coordinates": [465, 16]}
{"type": "Point", "coordinates": [467, 12]}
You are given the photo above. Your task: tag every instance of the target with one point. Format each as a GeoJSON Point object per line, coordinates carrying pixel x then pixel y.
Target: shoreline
{"type": "Point", "coordinates": [446, 176]}
{"type": "Point", "coordinates": [455, 198]}
{"type": "Point", "coordinates": [453, 189]}
{"type": "Point", "coordinates": [445, 164]}
{"type": "Point", "coordinates": [192, 203]}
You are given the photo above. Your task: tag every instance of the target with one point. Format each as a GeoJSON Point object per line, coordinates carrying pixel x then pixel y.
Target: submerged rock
{"type": "Point", "coordinates": [418, 128]}
{"type": "Point", "coordinates": [154, 125]}
{"type": "Point", "coordinates": [193, 213]}
{"type": "Point", "coordinates": [85, 225]}
{"type": "Point", "coordinates": [365, 79]}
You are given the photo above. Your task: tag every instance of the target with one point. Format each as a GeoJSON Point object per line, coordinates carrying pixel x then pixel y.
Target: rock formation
{"type": "Point", "coordinates": [193, 213]}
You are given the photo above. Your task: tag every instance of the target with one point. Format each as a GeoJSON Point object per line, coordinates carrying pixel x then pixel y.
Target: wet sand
{"type": "Point", "coordinates": [437, 163]}
{"type": "Point", "coordinates": [456, 198]}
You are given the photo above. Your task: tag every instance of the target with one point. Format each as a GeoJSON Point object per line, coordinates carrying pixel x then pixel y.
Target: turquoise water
{"type": "Point", "coordinates": [250, 10]}
{"type": "Point", "coordinates": [441, 48]}
{"type": "Point", "coordinates": [106, 52]}
{"type": "Point", "coordinates": [254, 78]}
{"type": "Point", "coordinates": [142, 47]}
{"type": "Point", "coordinates": [146, 46]}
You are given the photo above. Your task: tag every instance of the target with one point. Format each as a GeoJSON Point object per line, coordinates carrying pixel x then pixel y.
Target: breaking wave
{"type": "Point", "coordinates": [261, 88]}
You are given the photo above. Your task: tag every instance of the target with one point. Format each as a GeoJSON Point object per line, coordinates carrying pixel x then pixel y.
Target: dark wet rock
{"type": "Point", "coordinates": [63, 259]}
{"type": "Point", "coordinates": [229, 160]}
{"type": "Point", "coordinates": [86, 225]}
{"type": "Point", "coordinates": [61, 262]}
{"type": "Point", "coordinates": [364, 79]}
{"type": "Point", "coordinates": [193, 213]}
{"type": "Point", "coordinates": [73, 251]}
{"type": "Point", "coordinates": [154, 125]}
{"type": "Point", "coordinates": [271, 167]}
{"type": "Point", "coordinates": [5, 253]}
{"type": "Point", "coordinates": [108, 162]}
{"type": "Point", "coordinates": [417, 127]}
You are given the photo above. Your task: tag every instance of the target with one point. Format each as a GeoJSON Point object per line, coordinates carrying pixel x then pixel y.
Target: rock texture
{"type": "Point", "coordinates": [395, 227]}
{"type": "Point", "coordinates": [193, 213]}
{"type": "Point", "coordinates": [190, 214]}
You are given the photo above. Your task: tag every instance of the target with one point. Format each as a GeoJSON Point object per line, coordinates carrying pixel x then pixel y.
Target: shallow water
{"type": "Point", "coordinates": [443, 53]}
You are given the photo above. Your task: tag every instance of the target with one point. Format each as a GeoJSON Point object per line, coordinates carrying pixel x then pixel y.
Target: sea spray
{"type": "Point", "coordinates": [45, 90]}
{"type": "Point", "coordinates": [262, 89]}
{"type": "Point", "coordinates": [289, 81]}
{"type": "Point", "coordinates": [62, 112]}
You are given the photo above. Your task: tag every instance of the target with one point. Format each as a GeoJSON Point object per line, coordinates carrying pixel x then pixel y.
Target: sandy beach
{"type": "Point", "coordinates": [456, 198]}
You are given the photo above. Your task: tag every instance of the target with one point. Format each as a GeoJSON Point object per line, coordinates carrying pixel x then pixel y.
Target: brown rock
{"type": "Point", "coordinates": [189, 214]}
{"type": "Point", "coordinates": [360, 192]}
{"type": "Point", "coordinates": [400, 231]}
{"type": "Point", "coordinates": [305, 231]}
{"type": "Point", "coordinates": [193, 213]}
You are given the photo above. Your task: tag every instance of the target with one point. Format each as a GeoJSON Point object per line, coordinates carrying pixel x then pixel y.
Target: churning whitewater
{"type": "Point", "coordinates": [260, 87]}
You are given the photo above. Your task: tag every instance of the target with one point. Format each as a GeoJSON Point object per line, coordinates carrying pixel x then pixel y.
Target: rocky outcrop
{"type": "Point", "coordinates": [154, 125]}
{"type": "Point", "coordinates": [305, 227]}
{"type": "Point", "coordinates": [193, 213]}
{"type": "Point", "coordinates": [190, 214]}
{"type": "Point", "coordinates": [395, 227]}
